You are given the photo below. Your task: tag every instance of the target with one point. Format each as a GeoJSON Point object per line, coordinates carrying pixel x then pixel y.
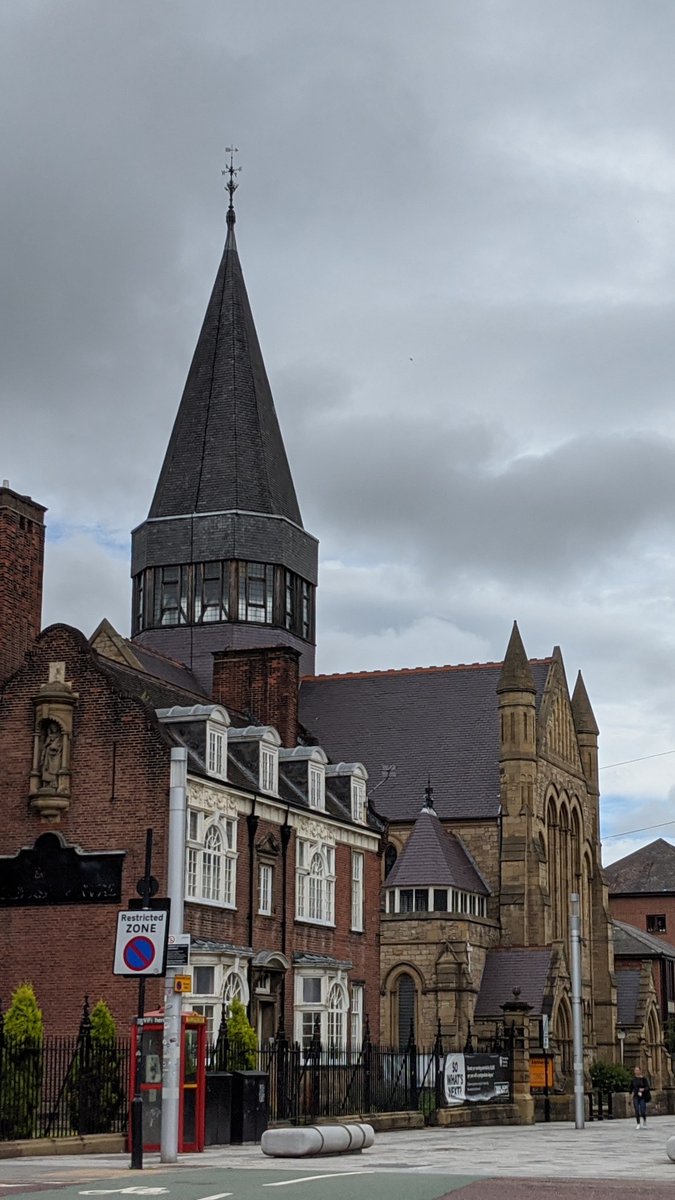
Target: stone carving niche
{"type": "Point", "coordinates": [53, 732]}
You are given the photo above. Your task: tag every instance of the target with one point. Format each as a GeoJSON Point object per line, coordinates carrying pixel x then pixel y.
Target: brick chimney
{"type": "Point", "coordinates": [261, 683]}
{"type": "Point", "coordinates": [22, 539]}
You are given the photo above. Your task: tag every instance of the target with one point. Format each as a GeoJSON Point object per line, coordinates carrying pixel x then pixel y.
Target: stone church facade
{"type": "Point", "coordinates": [477, 879]}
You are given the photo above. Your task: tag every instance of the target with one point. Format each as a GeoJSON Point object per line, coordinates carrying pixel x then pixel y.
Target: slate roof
{"type": "Point", "coordinates": [627, 995]}
{"type": "Point", "coordinates": [226, 452]}
{"type": "Point", "coordinates": [152, 689]}
{"type": "Point", "coordinates": [437, 721]}
{"type": "Point", "coordinates": [527, 968]}
{"type": "Point", "coordinates": [163, 683]}
{"type": "Point", "coordinates": [432, 857]}
{"type": "Point", "coordinates": [648, 870]}
{"type": "Point", "coordinates": [631, 942]}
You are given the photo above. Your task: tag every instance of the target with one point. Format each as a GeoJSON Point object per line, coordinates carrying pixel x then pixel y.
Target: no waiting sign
{"type": "Point", "coordinates": [140, 945]}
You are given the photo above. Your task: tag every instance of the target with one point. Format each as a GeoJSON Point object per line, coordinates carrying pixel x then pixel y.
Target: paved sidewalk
{"type": "Point", "coordinates": [611, 1150]}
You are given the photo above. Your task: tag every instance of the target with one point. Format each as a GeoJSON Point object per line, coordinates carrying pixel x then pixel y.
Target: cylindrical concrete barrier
{"type": "Point", "coordinates": [670, 1148]}
{"type": "Point", "coordinates": [310, 1140]}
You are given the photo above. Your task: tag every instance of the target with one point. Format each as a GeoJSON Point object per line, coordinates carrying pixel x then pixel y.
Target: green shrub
{"type": "Point", "coordinates": [242, 1039]}
{"type": "Point", "coordinates": [611, 1077]}
{"type": "Point", "coordinates": [21, 1082]}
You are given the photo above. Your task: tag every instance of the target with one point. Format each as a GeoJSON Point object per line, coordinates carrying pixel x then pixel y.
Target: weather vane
{"type": "Point", "coordinates": [231, 185]}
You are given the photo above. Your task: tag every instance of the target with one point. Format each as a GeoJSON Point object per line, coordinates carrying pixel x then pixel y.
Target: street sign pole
{"type": "Point", "coordinates": [137, 1101]}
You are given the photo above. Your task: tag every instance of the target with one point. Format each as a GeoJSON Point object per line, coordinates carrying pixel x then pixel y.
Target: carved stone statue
{"type": "Point", "coordinates": [51, 753]}
{"type": "Point", "coordinates": [52, 739]}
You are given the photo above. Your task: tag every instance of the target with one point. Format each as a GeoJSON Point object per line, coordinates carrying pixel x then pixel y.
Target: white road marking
{"type": "Point", "coordinates": [217, 1196]}
{"type": "Point", "coordinates": [127, 1191]}
{"type": "Point", "coordinates": [309, 1178]}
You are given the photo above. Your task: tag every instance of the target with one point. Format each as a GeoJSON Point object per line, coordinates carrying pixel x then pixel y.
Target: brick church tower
{"type": "Point", "coordinates": [22, 537]}
{"type": "Point", "coordinates": [223, 562]}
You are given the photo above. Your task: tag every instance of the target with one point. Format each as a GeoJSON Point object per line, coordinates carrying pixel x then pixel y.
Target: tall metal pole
{"type": "Point", "coordinates": [172, 999]}
{"type": "Point", "coordinates": [136, 1119]}
{"type": "Point", "coordinates": [577, 1021]}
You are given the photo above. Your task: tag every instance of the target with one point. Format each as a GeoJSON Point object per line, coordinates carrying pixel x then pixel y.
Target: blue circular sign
{"type": "Point", "coordinates": [139, 953]}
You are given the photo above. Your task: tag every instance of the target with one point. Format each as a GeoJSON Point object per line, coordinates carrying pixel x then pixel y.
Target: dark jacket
{"type": "Point", "coordinates": [640, 1084]}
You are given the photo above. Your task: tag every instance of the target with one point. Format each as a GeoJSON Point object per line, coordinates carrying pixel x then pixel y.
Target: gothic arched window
{"type": "Point", "coordinates": [406, 1008]}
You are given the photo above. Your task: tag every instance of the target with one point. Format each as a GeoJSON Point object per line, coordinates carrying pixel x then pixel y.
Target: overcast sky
{"type": "Point", "coordinates": [457, 226]}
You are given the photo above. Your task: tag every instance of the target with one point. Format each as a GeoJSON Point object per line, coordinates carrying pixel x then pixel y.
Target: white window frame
{"type": "Point", "coordinates": [234, 988]}
{"type": "Point", "coordinates": [330, 1011]}
{"type": "Point", "coordinates": [211, 860]}
{"type": "Point", "coordinates": [358, 890]}
{"type": "Point", "coordinates": [356, 1016]}
{"type": "Point", "coordinates": [466, 904]}
{"type": "Point", "coordinates": [265, 889]}
{"type": "Point", "coordinates": [316, 786]}
{"type": "Point", "coordinates": [216, 750]}
{"type": "Point", "coordinates": [269, 770]}
{"type": "Point", "coordinates": [358, 791]}
{"type": "Point", "coordinates": [315, 882]}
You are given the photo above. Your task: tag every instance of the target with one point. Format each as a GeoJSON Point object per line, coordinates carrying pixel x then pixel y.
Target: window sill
{"type": "Point", "coordinates": [313, 921]}
{"type": "Point", "coordinates": [211, 903]}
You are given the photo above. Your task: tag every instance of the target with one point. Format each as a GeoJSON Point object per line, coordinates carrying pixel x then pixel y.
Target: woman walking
{"type": "Point", "coordinates": [639, 1090]}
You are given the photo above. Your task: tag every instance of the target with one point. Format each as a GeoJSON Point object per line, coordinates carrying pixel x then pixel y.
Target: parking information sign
{"type": "Point", "coordinates": [140, 946]}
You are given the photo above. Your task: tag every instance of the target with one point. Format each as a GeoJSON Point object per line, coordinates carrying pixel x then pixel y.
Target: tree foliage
{"type": "Point", "coordinates": [21, 1080]}
{"type": "Point", "coordinates": [611, 1077]}
{"type": "Point", "coordinates": [242, 1039]}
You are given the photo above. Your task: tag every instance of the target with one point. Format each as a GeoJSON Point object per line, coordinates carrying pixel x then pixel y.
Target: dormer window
{"type": "Point", "coordinates": [269, 769]}
{"type": "Point", "coordinates": [358, 800]}
{"type": "Point", "coordinates": [216, 750]}
{"type": "Point", "coordinates": [316, 786]}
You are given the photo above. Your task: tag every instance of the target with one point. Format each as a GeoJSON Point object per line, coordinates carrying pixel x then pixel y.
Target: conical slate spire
{"type": "Point", "coordinates": [584, 718]}
{"type": "Point", "coordinates": [516, 673]}
{"type": "Point", "coordinates": [222, 562]}
{"type": "Point", "coordinates": [226, 452]}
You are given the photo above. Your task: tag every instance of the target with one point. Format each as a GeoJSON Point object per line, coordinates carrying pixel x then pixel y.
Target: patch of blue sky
{"type": "Point", "coordinates": [622, 816]}
{"type": "Point", "coordinates": [115, 541]}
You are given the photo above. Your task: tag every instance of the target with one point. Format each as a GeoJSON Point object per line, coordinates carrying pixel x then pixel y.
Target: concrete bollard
{"type": "Point", "coordinates": [670, 1148]}
{"type": "Point", "coordinates": [310, 1140]}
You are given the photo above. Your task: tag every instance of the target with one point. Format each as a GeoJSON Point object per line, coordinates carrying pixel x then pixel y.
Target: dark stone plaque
{"type": "Point", "coordinates": [52, 872]}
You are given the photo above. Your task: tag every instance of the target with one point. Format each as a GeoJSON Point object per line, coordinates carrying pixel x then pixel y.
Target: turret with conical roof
{"type": "Point", "coordinates": [587, 734]}
{"type": "Point", "coordinates": [223, 561]}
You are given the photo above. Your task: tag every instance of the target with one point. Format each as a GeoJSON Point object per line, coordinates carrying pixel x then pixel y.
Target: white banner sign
{"type": "Point", "coordinates": [454, 1079]}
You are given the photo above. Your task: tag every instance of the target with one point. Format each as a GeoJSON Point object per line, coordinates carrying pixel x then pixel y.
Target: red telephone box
{"type": "Point", "coordinates": [192, 1079]}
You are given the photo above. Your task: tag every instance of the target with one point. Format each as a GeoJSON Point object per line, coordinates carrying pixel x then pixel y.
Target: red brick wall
{"type": "Point", "coordinates": [261, 682]}
{"type": "Point", "coordinates": [22, 536]}
{"type": "Point", "coordinates": [66, 950]}
{"type": "Point", "coordinates": [634, 910]}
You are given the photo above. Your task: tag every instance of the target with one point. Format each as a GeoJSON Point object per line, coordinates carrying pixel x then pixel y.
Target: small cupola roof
{"type": "Point", "coordinates": [432, 857]}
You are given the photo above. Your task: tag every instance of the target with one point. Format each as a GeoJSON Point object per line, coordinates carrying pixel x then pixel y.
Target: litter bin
{"type": "Point", "coordinates": [249, 1105]}
{"type": "Point", "coordinates": [218, 1108]}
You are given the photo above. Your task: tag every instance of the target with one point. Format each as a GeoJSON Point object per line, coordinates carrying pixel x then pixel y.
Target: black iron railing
{"type": "Point", "coordinates": [62, 1086]}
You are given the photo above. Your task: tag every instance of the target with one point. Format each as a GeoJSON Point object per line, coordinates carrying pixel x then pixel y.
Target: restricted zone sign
{"type": "Point", "coordinates": [140, 946]}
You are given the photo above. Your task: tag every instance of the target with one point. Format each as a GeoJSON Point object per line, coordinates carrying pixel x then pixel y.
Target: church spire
{"type": "Point", "coordinates": [223, 551]}
{"type": "Point", "coordinates": [226, 452]}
